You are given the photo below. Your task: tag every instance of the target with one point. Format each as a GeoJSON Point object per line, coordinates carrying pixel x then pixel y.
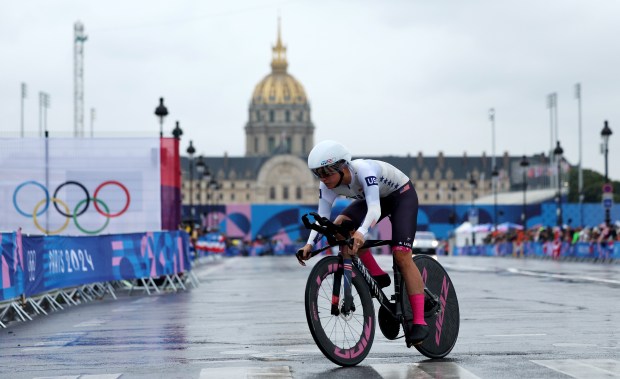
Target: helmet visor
{"type": "Point", "coordinates": [325, 171]}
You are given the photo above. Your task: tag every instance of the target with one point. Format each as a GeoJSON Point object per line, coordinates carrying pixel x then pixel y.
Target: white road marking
{"type": "Point", "coordinates": [562, 276]}
{"type": "Point", "coordinates": [92, 322]}
{"type": "Point", "coordinates": [246, 372]}
{"type": "Point", "coordinates": [516, 335]}
{"type": "Point", "coordinates": [423, 370]}
{"type": "Point", "coordinates": [96, 376]}
{"type": "Point", "coordinates": [239, 352]}
{"type": "Point", "coordinates": [574, 344]}
{"type": "Point", "coordinates": [584, 368]}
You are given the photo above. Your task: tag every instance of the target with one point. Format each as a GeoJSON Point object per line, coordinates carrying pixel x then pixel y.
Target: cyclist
{"type": "Point", "coordinates": [379, 190]}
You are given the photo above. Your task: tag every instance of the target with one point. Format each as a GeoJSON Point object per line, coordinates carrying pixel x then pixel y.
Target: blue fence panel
{"type": "Point", "coordinates": [12, 266]}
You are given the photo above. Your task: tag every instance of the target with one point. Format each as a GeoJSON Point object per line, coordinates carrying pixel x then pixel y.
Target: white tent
{"type": "Point", "coordinates": [465, 232]}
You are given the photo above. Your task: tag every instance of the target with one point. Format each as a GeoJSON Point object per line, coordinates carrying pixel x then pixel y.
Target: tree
{"type": "Point", "coordinates": [592, 186]}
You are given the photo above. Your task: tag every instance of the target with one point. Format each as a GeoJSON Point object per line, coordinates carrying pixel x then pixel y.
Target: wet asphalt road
{"type": "Point", "coordinates": [519, 319]}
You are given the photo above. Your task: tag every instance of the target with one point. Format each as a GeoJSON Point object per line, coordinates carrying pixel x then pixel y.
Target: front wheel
{"type": "Point", "coordinates": [441, 308]}
{"type": "Point", "coordinates": [344, 339]}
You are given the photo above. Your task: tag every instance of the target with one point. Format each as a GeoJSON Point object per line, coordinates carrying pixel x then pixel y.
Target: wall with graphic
{"type": "Point", "coordinates": [32, 265]}
{"type": "Point", "coordinates": [283, 222]}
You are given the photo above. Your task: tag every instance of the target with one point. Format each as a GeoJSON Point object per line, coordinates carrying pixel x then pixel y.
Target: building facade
{"type": "Point", "coordinates": [280, 134]}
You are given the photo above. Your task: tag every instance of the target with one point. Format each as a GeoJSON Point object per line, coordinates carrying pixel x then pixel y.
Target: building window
{"type": "Point", "coordinates": [256, 144]}
{"type": "Point", "coordinates": [462, 196]}
{"type": "Point", "coordinates": [247, 185]}
{"type": "Point", "coordinates": [287, 116]}
{"type": "Point", "coordinates": [232, 185]}
{"type": "Point", "coordinates": [272, 144]}
{"type": "Point", "coordinates": [272, 116]}
{"type": "Point", "coordinates": [247, 196]}
{"type": "Point", "coordinates": [272, 193]}
{"type": "Point", "coordinates": [285, 193]}
{"type": "Point", "coordinates": [438, 197]}
{"type": "Point", "coordinates": [437, 185]}
{"type": "Point", "coordinates": [289, 143]}
{"type": "Point", "coordinates": [232, 196]}
{"type": "Point", "coordinates": [257, 115]}
{"type": "Point", "coordinates": [300, 116]}
{"type": "Point", "coordinates": [425, 185]}
{"type": "Point", "coordinates": [298, 193]}
{"type": "Point", "coordinates": [425, 196]}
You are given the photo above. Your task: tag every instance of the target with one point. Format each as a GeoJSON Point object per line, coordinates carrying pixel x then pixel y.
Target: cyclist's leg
{"type": "Point", "coordinates": [355, 213]}
{"type": "Point", "coordinates": [404, 224]}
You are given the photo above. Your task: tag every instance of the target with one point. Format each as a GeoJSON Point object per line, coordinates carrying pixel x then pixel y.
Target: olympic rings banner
{"type": "Point", "coordinates": [80, 186]}
{"type": "Point", "coordinates": [38, 264]}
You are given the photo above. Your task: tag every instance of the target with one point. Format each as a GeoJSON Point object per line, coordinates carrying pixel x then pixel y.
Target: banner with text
{"type": "Point", "coordinates": [35, 264]}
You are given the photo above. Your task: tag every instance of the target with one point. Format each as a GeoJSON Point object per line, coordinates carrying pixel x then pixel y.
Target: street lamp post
{"type": "Point", "coordinates": [161, 111]}
{"type": "Point", "coordinates": [215, 186]}
{"type": "Point", "coordinates": [190, 151]}
{"type": "Point", "coordinates": [524, 163]}
{"type": "Point", "coordinates": [473, 183]}
{"type": "Point", "coordinates": [207, 177]}
{"type": "Point", "coordinates": [494, 176]}
{"type": "Point", "coordinates": [453, 218]}
{"type": "Point", "coordinates": [605, 133]}
{"type": "Point", "coordinates": [200, 170]}
{"type": "Point", "coordinates": [557, 152]}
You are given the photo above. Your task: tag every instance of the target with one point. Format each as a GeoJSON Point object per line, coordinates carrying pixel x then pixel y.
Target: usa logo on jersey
{"type": "Point", "coordinates": [371, 181]}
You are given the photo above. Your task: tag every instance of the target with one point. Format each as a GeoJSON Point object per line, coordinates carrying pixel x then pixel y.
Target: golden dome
{"type": "Point", "coordinates": [279, 87]}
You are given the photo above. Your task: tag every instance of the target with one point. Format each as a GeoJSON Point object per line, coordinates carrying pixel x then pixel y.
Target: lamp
{"type": "Point", "coordinates": [494, 176]}
{"type": "Point", "coordinates": [524, 164]}
{"type": "Point", "coordinates": [190, 151]}
{"type": "Point", "coordinates": [557, 153]}
{"type": "Point", "coordinates": [605, 133]}
{"type": "Point", "coordinates": [473, 184]}
{"type": "Point", "coordinates": [161, 111]}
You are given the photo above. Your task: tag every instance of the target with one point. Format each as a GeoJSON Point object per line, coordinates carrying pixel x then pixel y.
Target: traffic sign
{"type": "Point", "coordinates": [608, 188]}
{"type": "Point", "coordinates": [608, 203]}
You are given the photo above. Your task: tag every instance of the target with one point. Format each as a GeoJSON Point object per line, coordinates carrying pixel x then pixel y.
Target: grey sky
{"type": "Point", "coordinates": [383, 77]}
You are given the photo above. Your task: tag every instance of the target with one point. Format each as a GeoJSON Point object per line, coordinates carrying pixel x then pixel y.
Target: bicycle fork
{"type": "Point", "coordinates": [342, 276]}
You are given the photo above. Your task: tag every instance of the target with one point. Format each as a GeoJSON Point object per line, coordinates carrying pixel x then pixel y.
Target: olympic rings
{"type": "Point", "coordinates": [107, 220]}
{"type": "Point", "coordinates": [126, 194]}
{"type": "Point", "coordinates": [83, 204]}
{"type": "Point", "coordinates": [83, 189]}
{"type": "Point", "coordinates": [47, 198]}
{"type": "Point", "coordinates": [36, 223]}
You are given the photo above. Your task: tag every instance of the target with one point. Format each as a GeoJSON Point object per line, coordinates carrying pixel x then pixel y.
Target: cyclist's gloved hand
{"type": "Point", "coordinates": [303, 254]}
{"type": "Point", "coordinates": [358, 241]}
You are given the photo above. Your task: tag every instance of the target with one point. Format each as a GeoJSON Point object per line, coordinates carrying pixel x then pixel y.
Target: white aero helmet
{"type": "Point", "coordinates": [327, 158]}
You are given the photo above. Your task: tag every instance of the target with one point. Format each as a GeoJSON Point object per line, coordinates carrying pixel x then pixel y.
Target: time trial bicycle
{"type": "Point", "coordinates": [342, 323]}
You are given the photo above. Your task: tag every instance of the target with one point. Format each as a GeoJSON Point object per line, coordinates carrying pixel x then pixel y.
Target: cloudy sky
{"type": "Point", "coordinates": [384, 77]}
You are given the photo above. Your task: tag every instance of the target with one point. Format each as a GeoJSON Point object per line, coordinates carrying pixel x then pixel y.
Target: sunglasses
{"type": "Point", "coordinates": [326, 171]}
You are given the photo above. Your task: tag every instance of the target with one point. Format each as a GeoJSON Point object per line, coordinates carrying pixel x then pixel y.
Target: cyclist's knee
{"type": "Point", "coordinates": [340, 219]}
{"type": "Point", "coordinates": [402, 254]}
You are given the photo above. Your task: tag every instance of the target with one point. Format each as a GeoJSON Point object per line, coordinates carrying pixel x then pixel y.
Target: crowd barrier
{"type": "Point", "coordinates": [578, 251]}
{"type": "Point", "coordinates": [39, 272]}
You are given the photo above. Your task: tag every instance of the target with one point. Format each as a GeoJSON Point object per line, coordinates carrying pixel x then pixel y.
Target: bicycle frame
{"type": "Point", "coordinates": [329, 230]}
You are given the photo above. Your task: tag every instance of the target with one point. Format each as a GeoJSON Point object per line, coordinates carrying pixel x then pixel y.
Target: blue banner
{"type": "Point", "coordinates": [51, 262]}
{"type": "Point", "coordinates": [580, 250]}
{"type": "Point", "coordinates": [12, 266]}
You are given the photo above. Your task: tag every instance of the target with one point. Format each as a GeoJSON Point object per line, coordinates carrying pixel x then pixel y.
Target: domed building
{"type": "Point", "coordinates": [279, 114]}
{"type": "Point", "coordinates": [279, 136]}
